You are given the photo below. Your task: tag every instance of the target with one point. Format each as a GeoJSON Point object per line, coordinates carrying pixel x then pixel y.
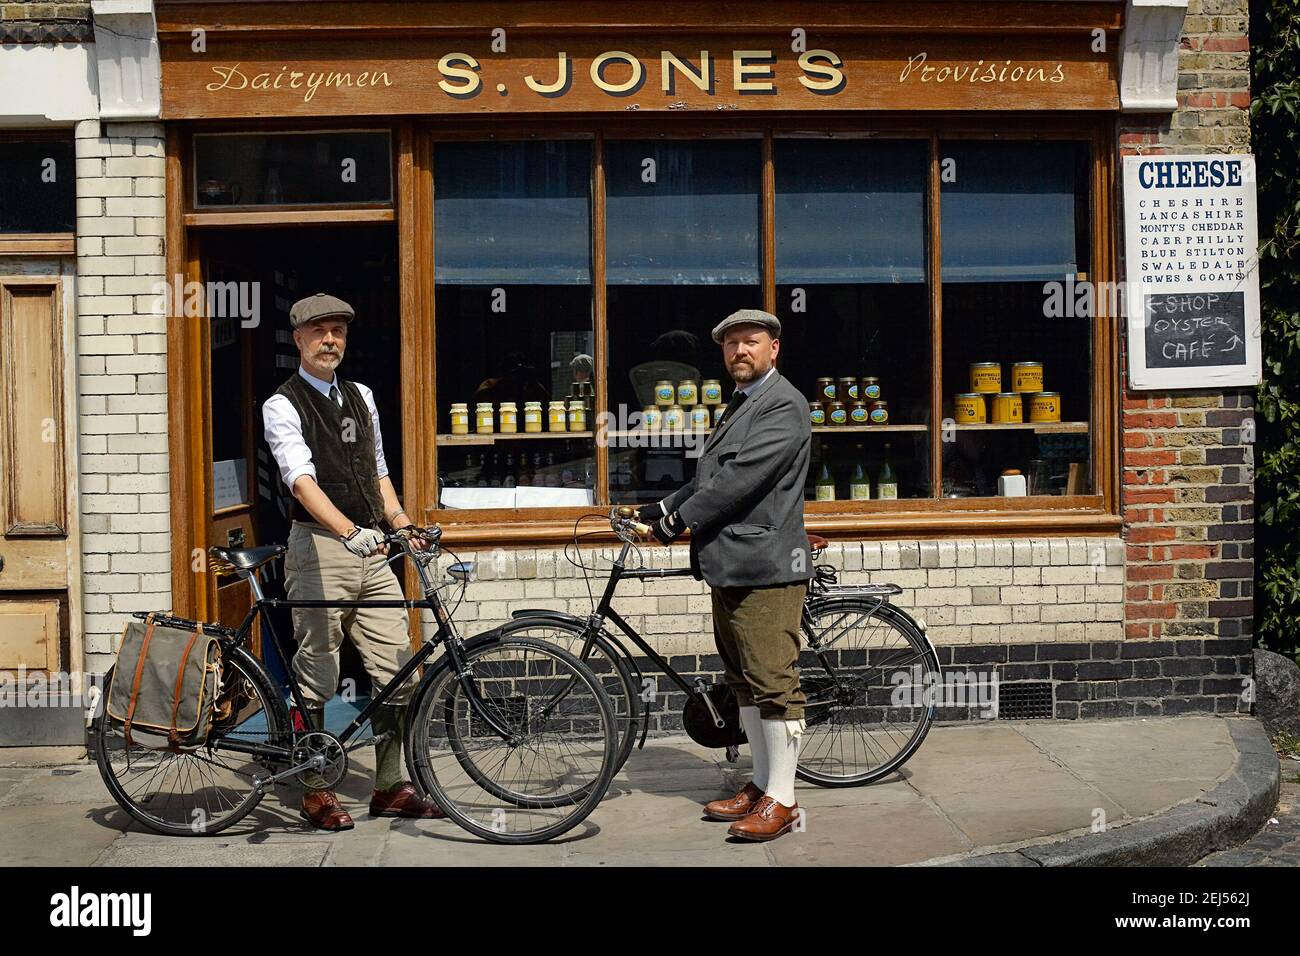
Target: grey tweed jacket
{"type": "Point", "coordinates": [745, 504]}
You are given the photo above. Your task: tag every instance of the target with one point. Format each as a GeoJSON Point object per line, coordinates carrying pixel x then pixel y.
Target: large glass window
{"type": "Point", "coordinates": [38, 186]}
{"type": "Point", "coordinates": [682, 253]}
{"type": "Point", "coordinates": [309, 168]}
{"type": "Point", "coordinates": [515, 341]}
{"type": "Point", "coordinates": [854, 306]}
{"type": "Point", "coordinates": [1016, 362]}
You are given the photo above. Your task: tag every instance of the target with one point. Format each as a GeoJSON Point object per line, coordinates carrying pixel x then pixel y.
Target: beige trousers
{"type": "Point", "coordinates": [318, 567]}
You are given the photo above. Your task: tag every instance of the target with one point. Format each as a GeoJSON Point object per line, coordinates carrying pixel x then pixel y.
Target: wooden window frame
{"type": "Point", "coordinates": [412, 209]}
{"type": "Point", "coordinates": [45, 244]}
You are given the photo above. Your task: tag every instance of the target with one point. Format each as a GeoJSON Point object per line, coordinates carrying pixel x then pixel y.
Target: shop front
{"type": "Point", "coordinates": [539, 210]}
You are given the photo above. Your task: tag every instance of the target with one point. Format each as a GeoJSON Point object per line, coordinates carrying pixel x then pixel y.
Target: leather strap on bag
{"type": "Point", "coordinates": [173, 735]}
{"type": "Point", "coordinates": [139, 675]}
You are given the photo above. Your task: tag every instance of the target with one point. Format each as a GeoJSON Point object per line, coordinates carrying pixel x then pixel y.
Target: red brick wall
{"type": "Point", "coordinates": [1187, 479]}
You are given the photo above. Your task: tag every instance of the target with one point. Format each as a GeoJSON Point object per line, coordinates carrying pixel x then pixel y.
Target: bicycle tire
{"type": "Point", "coordinates": [279, 727]}
{"type": "Point", "coordinates": [429, 707]}
{"type": "Point", "coordinates": [923, 655]}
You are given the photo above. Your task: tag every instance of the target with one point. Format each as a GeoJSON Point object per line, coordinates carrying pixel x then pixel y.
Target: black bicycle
{"type": "Point", "coordinates": [515, 739]}
{"type": "Point", "coordinates": [867, 669]}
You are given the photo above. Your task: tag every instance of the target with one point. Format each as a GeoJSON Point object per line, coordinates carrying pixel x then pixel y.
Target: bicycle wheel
{"type": "Point", "coordinates": [606, 660]}
{"type": "Point", "coordinates": [202, 790]}
{"type": "Point", "coordinates": [548, 776]}
{"type": "Point", "coordinates": [863, 720]}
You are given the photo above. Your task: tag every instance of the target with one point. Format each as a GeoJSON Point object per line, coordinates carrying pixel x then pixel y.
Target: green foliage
{"type": "Point", "coordinates": [1275, 128]}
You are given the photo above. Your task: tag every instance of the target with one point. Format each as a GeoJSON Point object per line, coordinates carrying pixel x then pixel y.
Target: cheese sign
{"type": "Point", "coordinates": [1192, 271]}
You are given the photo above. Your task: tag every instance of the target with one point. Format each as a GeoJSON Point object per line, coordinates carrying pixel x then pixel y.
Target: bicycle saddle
{"type": "Point", "coordinates": [817, 543]}
{"type": "Point", "coordinates": [247, 559]}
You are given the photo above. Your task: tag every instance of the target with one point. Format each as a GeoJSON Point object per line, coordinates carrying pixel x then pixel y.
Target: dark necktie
{"type": "Point", "coordinates": [737, 399]}
{"type": "Point", "coordinates": [336, 396]}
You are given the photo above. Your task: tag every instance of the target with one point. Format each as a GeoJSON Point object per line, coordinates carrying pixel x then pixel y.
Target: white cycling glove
{"type": "Point", "coordinates": [363, 542]}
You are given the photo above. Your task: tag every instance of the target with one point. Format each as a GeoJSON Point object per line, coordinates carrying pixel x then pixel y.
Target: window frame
{"type": "Point", "coordinates": [41, 243]}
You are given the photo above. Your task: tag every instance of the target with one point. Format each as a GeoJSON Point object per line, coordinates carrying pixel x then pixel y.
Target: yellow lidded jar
{"type": "Point", "coordinates": [1045, 407]}
{"type": "Point", "coordinates": [1027, 377]}
{"type": "Point", "coordinates": [688, 393]}
{"type": "Point", "coordinates": [460, 418]}
{"type": "Point", "coordinates": [509, 417]}
{"type": "Point", "coordinates": [556, 417]}
{"type": "Point", "coordinates": [652, 417]}
{"type": "Point", "coordinates": [968, 409]}
{"type": "Point", "coordinates": [532, 416]}
{"type": "Point", "coordinates": [1007, 408]}
{"type": "Point", "coordinates": [577, 415]}
{"type": "Point", "coordinates": [700, 417]}
{"type": "Point", "coordinates": [986, 377]}
{"type": "Point", "coordinates": [674, 418]}
{"type": "Point", "coordinates": [711, 392]}
{"type": "Point", "coordinates": [665, 393]}
{"type": "Point", "coordinates": [483, 418]}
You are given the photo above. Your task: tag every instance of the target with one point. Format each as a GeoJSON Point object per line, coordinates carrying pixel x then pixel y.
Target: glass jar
{"type": "Point", "coordinates": [711, 392]}
{"type": "Point", "coordinates": [674, 418]}
{"type": "Point", "coordinates": [483, 418]}
{"type": "Point", "coordinates": [652, 418]}
{"type": "Point", "coordinates": [816, 413]}
{"type": "Point", "coordinates": [700, 417]}
{"type": "Point", "coordinates": [826, 389]}
{"type": "Point", "coordinates": [688, 393]}
{"type": "Point", "coordinates": [577, 415]}
{"type": "Point", "coordinates": [869, 389]}
{"type": "Point", "coordinates": [532, 416]}
{"type": "Point", "coordinates": [556, 416]}
{"type": "Point", "coordinates": [665, 393]}
{"type": "Point", "coordinates": [858, 413]}
{"type": "Point", "coordinates": [878, 413]}
{"type": "Point", "coordinates": [838, 414]}
{"type": "Point", "coordinates": [508, 418]}
{"type": "Point", "coordinates": [460, 418]}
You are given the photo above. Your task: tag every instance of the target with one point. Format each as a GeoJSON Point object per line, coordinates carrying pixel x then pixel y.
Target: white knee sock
{"type": "Point", "coordinates": [753, 725]}
{"type": "Point", "coordinates": [781, 740]}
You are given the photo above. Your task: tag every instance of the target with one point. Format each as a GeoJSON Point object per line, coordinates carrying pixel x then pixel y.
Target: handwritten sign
{"type": "Point", "coordinates": [1192, 271]}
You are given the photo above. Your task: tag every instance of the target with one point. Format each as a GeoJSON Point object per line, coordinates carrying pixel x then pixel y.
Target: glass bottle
{"type": "Point", "coordinates": [859, 486]}
{"type": "Point", "coordinates": [886, 481]}
{"type": "Point", "coordinates": [825, 484]}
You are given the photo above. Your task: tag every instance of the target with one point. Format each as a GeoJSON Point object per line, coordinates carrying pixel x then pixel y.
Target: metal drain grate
{"type": "Point", "coordinates": [1025, 700]}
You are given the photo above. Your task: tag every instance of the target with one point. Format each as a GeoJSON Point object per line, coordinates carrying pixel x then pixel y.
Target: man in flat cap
{"type": "Point", "coordinates": [744, 509]}
{"type": "Point", "coordinates": [324, 434]}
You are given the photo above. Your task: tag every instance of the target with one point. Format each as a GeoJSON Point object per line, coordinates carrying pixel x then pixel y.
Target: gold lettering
{"type": "Point", "coordinates": [561, 77]}
{"type": "Point", "coordinates": [293, 79]}
{"type": "Point", "coordinates": [670, 64]}
{"type": "Point", "coordinates": [834, 77]}
{"type": "Point", "coordinates": [912, 63]}
{"type": "Point", "coordinates": [469, 73]}
{"type": "Point", "coordinates": [338, 79]}
{"type": "Point", "coordinates": [609, 56]}
{"type": "Point", "coordinates": [362, 77]}
{"type": "Point", "coordinates": [374, 77]}
{"type": "Point", "coordinates": [314, 81]}
{"type": "Point", "coordinates": [261, 82]}
{"type": "Point", "coordinates": [1058, 75]}
{"type": "Point", "coordinates": [741, 71]}
{"type": "Point", "coordinates": [227, 74]}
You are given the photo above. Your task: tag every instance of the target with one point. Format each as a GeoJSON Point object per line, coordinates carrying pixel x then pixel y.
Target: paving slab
{"type": "Point", "coordinates": [53, 834]}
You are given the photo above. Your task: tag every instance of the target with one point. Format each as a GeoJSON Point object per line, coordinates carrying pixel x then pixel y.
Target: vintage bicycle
{"type": "Point", "coordinates": [514, 738]}
{"type": "Point", "coordinates": [865, 668]}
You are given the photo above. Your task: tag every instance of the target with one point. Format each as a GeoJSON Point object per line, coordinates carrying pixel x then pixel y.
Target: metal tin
{"type": "Point", "coordinates": [1007, 408]}
{"type": "Point", "coordinates": [483, 418]}
{"type": "Point", "coordinates": [460, 418]}
{"type": "Point", "coordinates": [700, 417]}
{"type": "Point", "coordinates": [557, 417]}
{"type": "Point", "coordinates": [1027, 377]}
{"type": "Point", "coordinates": [652, 418]}
{"type": "Point", "coordinates": [665, 393]}
{"type": "Point", "coordinates": [986, 377]}
{"type": "Point", "coordinates": [838, 414]}
{"type": "Point", "coordinates": [858, 413]}
{"type": "Point", "coordinates": [869, 390]}
{"type": "Point", "coordinates": [711, 392]}
{"type": "Point", "coordinates": [1044, 407]}
{"type": "Point", "coordinates": [968, 409]}
{"type": "Point", "coordinates": [846, 390]}
{"type": "Point", "coordinates": [826, 389]}
{"type": "Point", "coordinates": [878, 413]}
{"type": "Point", "coordinates": [674, 418]}
{"type": "Point", "coordinates": [688, 393]}
{"type": "Point", "coordinates": [817, 413]}
{"type": "Point", "coordinates": [532, 416]}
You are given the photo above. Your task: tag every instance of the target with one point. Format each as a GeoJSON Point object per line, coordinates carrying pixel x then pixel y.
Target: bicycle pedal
{"type": "Point", "coordinates": [733, 754]}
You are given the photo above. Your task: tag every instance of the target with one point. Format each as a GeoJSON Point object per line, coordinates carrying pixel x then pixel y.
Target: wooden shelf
{"type": "Point", "coordinates": [475, 439]}
{"type": "Point", "coordinates": [1041, 428]}
{"type": "Point", "coordinates": [863, 429]}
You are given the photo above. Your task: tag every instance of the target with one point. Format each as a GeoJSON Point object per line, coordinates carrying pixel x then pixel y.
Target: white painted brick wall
{"type": "Point", "coordinates": [121, 381]}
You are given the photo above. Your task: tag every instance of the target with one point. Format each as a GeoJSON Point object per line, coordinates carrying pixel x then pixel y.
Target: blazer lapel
{"type": "Point", "coordinates": [742, 411]}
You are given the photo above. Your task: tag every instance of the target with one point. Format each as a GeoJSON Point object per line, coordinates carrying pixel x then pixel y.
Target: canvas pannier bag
{"type": "Point", "coordinates": [165, 684]}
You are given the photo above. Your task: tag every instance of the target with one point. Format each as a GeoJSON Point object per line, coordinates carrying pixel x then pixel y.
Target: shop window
{"type": "Point", "coordinates": [853, 300]}
{"type": "Point", "coordinates": [512, 277]}
{"type": "Point", "coordinates": [275, 169]}
{"type": "Point", "coordinates": [682, 253]}
{"type": "Point", "coordinates": [1016, 377]}
{"type": "Point", "coordinates": [40, 186]}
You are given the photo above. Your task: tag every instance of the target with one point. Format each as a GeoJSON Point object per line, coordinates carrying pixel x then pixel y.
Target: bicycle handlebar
{"type": "Point", "coordinates": [623, 521]}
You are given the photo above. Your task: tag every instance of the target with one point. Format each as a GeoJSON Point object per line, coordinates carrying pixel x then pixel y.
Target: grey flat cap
{"type": "Point", "coordinates": [319, 306]}
{"type": "Point", "coordinates": [748, 317]}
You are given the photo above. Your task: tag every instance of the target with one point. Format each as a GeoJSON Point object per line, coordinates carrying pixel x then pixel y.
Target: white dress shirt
{"type": "Point", "coordinates": [283, 429]}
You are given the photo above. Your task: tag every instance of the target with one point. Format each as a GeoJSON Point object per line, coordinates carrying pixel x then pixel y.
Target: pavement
{"type": "Point", "coordinates": [1030, 793]}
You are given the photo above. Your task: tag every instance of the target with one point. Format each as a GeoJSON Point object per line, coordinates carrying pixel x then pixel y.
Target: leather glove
{"type": "Point", "coordinates": [363, 542]}
{"type": "Point", "coordinates": [649, 514]}
{"type": "Point", "coordinates": [668, 528]}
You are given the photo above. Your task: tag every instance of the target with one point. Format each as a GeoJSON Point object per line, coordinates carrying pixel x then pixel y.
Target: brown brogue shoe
{"type": "Point", "coordinates": [768, 821]}
{"type": "Point", "coordinates": [734, 808]}
{"type": "Point", "coordinates": [404, 801]}
{"type": "Point", "coordinates": [321, 809]}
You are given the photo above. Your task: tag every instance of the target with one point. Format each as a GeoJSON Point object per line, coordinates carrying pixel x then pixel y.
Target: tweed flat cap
{"type": "Point", "coordinates": [319, 306]}
{"type": "Point", "coordinates": [748, 317]}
